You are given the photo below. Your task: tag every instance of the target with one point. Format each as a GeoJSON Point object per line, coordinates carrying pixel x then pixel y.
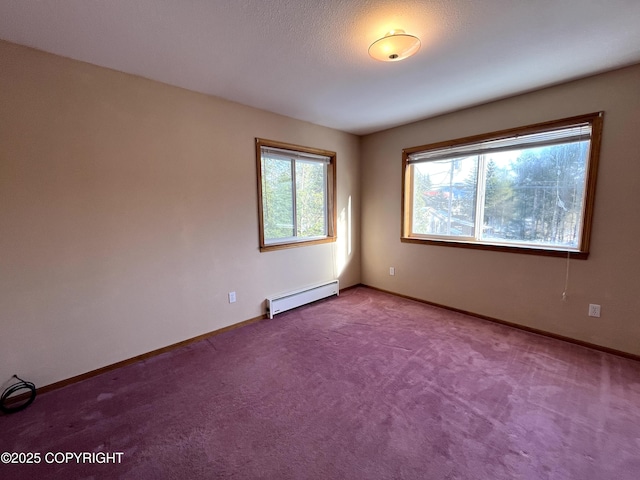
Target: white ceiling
{"type": "Point", "coordinates": [308, 59]}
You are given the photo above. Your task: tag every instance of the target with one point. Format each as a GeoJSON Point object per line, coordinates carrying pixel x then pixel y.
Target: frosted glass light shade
{"type": "Point", "coordinates": [394, 46]}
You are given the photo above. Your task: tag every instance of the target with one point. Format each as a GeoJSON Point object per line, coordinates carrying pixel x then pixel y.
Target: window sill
{"type": "Point", "coordinates": [299, 243]}
{"type": "Point", "coordinates": [525, 249]}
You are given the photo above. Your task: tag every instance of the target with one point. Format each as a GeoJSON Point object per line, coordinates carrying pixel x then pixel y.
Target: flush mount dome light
{"type": "Point", "coordinates": [394, 46]}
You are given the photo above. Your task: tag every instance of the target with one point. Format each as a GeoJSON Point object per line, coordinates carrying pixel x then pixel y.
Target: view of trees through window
{"type": "Point", "coordinates": [532, 195]}
{"type": "Point", "coordinates": [294, 198]}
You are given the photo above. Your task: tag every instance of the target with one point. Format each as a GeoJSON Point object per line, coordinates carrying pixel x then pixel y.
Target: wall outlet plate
{"type": "Point", "coordinates": [232, 297]}
{"type": "Point", "coordinates": [594, 310]}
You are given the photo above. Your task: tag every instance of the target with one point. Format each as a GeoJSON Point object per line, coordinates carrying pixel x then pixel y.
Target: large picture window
{"type": "Point", "coordinates": [296, 187]}
{"type": "Point", "coordinates": [528, 189]}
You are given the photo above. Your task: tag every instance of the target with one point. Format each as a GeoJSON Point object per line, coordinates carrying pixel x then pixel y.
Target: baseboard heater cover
{"type": "Point", "coordinates": [297, 298]}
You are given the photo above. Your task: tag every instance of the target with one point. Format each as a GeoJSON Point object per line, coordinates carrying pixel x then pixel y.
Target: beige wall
{"type": "Point", "coordinates": [519, 288]}
{"type": "Point", "coordinates": [128, 211]}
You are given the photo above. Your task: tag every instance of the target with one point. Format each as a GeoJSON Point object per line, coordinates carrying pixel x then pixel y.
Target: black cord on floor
{"type": "Point", "coordinates": [21, 385]}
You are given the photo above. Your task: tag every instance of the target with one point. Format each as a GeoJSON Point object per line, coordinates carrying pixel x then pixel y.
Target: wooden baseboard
{"type": "Point", "coordinates": [144, 356]}
{"type": "Point", "coordinates": [159, 351]}
{"type": "Point", "coordinates": [351, 287]}
{"type": "Point", "coordinates": [137, 358]}
{"type": "Point", "coordinates": [544, 333]}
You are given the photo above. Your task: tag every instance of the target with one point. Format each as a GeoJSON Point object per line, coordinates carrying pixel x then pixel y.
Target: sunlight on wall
{"type": "Point", "coordinates": [343, 244]}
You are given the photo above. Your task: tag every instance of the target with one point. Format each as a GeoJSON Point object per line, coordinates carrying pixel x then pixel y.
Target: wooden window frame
{"type": "Point", "coordinates": [331, 195]}
{"type": "Point", "coordinates": [594, 119]}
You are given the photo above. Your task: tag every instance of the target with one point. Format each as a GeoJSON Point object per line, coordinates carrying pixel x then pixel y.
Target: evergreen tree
{"type": "Point", "coordinates": [498, 203]}
{"type": "Point", "coordinates": [277, 198]}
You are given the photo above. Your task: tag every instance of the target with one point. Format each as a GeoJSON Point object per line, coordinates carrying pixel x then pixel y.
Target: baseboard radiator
{"type": "Point", "coordinates": [297, 298]}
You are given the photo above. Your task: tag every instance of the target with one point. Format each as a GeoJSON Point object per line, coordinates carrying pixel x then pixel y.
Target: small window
{"type": "Point", "coordinates": [528, 189]}
{"type": "Point", "coordinates": [296, 193]}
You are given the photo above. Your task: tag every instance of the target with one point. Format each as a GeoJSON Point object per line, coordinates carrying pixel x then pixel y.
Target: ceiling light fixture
{"type": "Point", "coordinates": [394, 46]}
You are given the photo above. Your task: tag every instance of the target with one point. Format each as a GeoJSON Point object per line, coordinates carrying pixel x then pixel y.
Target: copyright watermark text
{"type": "Point", "coordinates": [61, 457]}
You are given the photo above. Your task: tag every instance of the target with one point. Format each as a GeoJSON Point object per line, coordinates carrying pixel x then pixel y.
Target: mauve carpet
{"type": "Point", "coordinates": [363, 386]}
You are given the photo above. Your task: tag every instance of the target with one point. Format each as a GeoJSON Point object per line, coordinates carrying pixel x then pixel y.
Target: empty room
{"type": "Point", "coordinates": [350, 239]}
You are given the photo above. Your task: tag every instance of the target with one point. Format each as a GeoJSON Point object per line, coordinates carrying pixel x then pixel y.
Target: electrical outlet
{"type": "Point", "coordinates": [594, 310]}
{"type": "Point", "coordinates": [392, 270]}
{"type": "Point", "coordinates": [232, 297]}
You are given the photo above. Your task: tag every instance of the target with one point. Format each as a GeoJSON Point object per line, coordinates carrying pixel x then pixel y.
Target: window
{"type": "Point", "coordinates": [296, 194]}
{"type": "Point", "coordinates": [528, 189]}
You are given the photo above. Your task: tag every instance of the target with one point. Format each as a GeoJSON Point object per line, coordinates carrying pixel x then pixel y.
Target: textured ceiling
{"type": "Point", "coordinates": [308, 59]}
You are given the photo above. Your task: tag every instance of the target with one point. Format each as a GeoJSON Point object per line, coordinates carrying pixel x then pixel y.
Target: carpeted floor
{"type": "Point", "coordinates": [363, 386]}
